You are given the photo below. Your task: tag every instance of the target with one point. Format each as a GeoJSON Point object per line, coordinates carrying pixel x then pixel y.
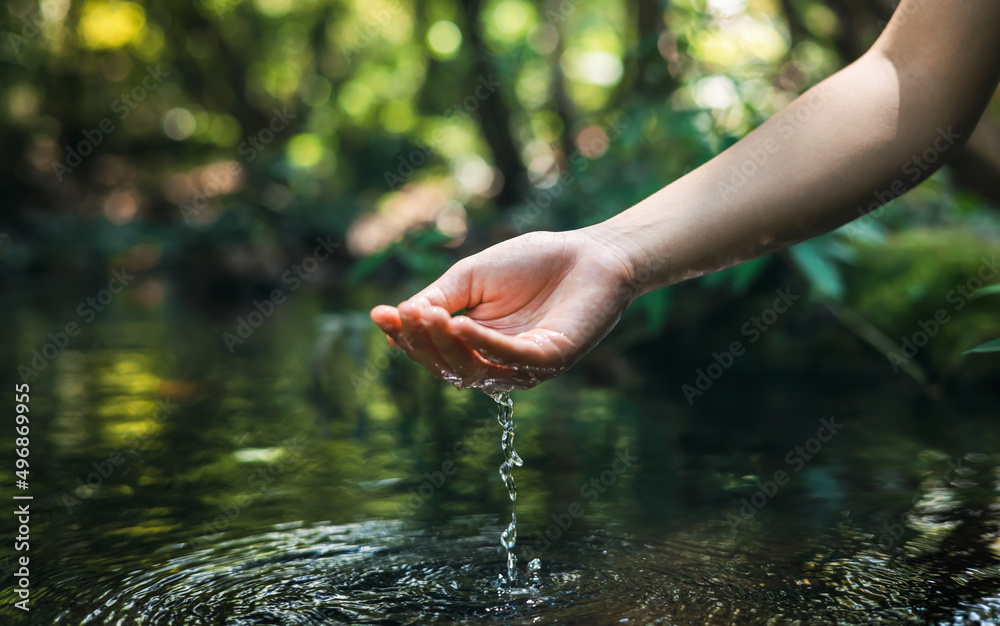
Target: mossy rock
{"type": "Point", "coordinates": [916, 278]}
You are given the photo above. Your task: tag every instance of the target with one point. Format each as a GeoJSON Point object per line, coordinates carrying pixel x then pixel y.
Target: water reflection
{"type": "Point", "coordinates": [298, 479]}
{"type": "Point", "coordinates": [391, 572]}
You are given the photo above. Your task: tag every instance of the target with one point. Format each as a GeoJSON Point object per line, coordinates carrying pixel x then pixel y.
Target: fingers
{"type": "Point", "coordinates": [415, 340]}
{"type": "Point", "coordinates": [424, 333]}
{"type": "Point", "coordinates": [465, 364]}
{"type": "Point", "coordinates": [496, 346]}
{"type": "Point", "coordinates": [387, 318]}
{"type": "Point", "coordinates": [404, 330]}
{"type": "Point", "coordinates": [449, 347]}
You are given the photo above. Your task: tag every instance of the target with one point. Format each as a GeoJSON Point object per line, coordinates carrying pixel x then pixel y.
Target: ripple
{"type": "Point", "coordinates": [369, 573]}
{"type": "Point", "coordinates": [381, 572]}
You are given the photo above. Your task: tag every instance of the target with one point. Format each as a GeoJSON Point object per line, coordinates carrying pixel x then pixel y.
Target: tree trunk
{"type": "Point", "coordinates": [494, 114]}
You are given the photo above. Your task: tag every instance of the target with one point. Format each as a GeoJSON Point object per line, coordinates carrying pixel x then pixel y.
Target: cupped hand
{"type": "Point", "coordinates": [534, 305]}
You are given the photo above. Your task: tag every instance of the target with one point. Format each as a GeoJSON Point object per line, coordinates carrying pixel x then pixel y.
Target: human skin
{"type": "Point", "coordinates": [537, 303]}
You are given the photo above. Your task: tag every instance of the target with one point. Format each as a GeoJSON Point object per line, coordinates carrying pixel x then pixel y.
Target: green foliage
{"type": "Point", "coordinates": [419, 253]}
{"type": "Point", "coordinates": [992, 290]}
{"type": "Point", "coordinates": [990, 346]}
{"type": "Point", "coordinates": [921, 274]}
{"type": "Point", "coordinates": [418, 133]}
{"type": "Point", "coordinates": [818, 265]}
{"type": "Point", "coordinates": [739, 278]}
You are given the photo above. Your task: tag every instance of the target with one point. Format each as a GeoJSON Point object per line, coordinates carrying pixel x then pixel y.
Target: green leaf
{"type": "Point", "coordinates": [989, 346]}
{"type": "Point", "coordinates": [737, 278]}
{"type": "Point", "coordinates": [991, 290]}
{"type": "Point", "coordinates": [430, 238]}
{"type": "Point", "coordinates": [822, 273]}
{"type": "Point", "coordinates": [366, 266]}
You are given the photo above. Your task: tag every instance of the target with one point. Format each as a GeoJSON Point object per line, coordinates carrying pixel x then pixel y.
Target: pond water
{"type": "Point", "coordinates": [311, 476]}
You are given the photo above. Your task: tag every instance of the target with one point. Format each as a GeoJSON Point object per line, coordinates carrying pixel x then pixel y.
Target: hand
{"type": "Point", "coordinates": [534, 306]}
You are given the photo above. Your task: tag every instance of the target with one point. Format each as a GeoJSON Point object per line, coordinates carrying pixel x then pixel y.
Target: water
{"type": "Point", "coordinates": [312, 478]}
{"type": "Point", "coordinates": [508, 538]}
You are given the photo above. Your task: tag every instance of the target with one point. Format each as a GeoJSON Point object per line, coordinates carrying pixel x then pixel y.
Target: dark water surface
{"type": "Point", "coordinates": [312, 477]}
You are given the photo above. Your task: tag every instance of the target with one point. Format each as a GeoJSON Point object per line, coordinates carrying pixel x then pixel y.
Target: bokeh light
{"type": "Point", "coordinates": [444, 39]}
{"type": "Point", "coordinates": [109, 25]}
{"type": "Point", "coordinates": [179, 123]}
{"type": "Point", "coordinates": [305, 150]}
{"type": "Point", "coordinates": [273, 8]}
{"type": "Point", "coordinates": [716, 92]}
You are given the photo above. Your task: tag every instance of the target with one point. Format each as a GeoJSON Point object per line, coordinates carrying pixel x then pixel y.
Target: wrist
{"type": "Point", "coordinates": [646, 235]}
{"type": "Point", "coordinates": [634, 267]}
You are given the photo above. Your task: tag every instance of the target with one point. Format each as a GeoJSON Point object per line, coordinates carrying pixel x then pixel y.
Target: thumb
{"type": "Point", "coordinates": [454, 290]}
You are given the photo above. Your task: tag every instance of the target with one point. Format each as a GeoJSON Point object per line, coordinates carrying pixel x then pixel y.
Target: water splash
{"type": "Point", "coordinates": [505, 415]}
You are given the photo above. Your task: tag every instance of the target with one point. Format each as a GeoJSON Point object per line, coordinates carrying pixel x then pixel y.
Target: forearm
{"type": "Point", "coordinates": [863, 136]}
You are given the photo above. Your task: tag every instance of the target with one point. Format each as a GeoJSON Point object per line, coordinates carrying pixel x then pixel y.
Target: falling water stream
{"type": "Point", "coordinates": [508, 538]}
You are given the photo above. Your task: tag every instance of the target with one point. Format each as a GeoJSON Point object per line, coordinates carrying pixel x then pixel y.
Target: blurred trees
{"type": "Point", "coordinates": [381, 94]}
{"type": "Point", "coordinates": [227, 134]}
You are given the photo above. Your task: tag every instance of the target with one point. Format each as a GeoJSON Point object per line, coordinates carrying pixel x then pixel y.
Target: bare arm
{"type": "Point", "coordinates": [536, 304]}
{"type": "Point", "coordinates": [866, 134]}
